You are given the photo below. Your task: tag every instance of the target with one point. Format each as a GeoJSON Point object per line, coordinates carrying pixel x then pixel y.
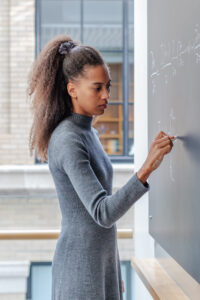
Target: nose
{"type": "Point", "coordinates": [105, 94]}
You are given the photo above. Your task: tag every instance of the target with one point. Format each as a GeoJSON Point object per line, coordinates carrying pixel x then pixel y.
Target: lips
{"type": "Point", "coordinates": [103, 105]}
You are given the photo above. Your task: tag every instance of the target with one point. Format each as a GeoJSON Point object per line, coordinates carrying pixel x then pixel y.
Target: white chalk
{"type": "Point", "coordinates": [175, 137]}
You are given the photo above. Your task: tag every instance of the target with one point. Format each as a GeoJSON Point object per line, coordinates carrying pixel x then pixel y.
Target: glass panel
{"type": "Point", "coordinates": [131, 49]}
{"type": "Point", "coordinates": [103, 24]}
{"type": "Point", "coordinates": [131, 78]}
{"type": "Point", "coordinates": [128, 278]}
{"type": "Point", "coordinates": [131, 25]}
{"type": "Point", "coordinates": [131, 82]}
{"type": "Point", "coordinates": [41, 281]}
{"type": "Point", "coordinates": [58, 17]}
{"type": "Point", "coordinates": [131, 129]}
{"type": "Point", "coordinates": [109, 126]}
{"type": "Point", "coordinates": [116, 89]}
{"type": "Point", "coordinates": [102, 29]}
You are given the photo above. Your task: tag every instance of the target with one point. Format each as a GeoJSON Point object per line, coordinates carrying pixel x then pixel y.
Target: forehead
{"type": "Point", "coordinates": [96, 73]}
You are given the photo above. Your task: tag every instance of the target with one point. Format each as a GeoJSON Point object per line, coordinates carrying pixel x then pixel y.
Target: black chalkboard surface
{"type": "Point", "coordinates": [174, 107]}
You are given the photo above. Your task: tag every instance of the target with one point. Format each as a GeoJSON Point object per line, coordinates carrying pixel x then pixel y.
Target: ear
{"type": "Point", "coordinates": [71, 88]}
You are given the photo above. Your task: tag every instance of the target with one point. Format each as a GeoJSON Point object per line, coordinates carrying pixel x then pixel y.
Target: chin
{"type": "Point", "coordinates": [98, 112]}
{"type": "Point", "coordinates": [101, 113]}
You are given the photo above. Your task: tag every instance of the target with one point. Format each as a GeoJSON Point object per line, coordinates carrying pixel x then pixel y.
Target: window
{"type": "Point", "coordinates": [40, 280]}
{"type": "Point", "coordinates": [108, 26]}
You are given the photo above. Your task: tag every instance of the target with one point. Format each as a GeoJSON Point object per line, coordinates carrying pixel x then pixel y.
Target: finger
{"type": "Point", "coordinates": [160, 143]}
{"type": "Point", "coordinates": [160, 135]}
{"type": "Point", "coordinates": [166, 149]}
{"type": "Point", "coordinates": [162, 139]}
{"type": "Point", "coordinates": [164, 142]}
{"type": "Point", "coordinates": [165, 138]}
{"type": "Point", "coordinates": [162, 152]}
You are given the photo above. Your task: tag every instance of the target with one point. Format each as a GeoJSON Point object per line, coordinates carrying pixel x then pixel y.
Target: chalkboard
{"type": "Point", "coordinates": [174, 107]}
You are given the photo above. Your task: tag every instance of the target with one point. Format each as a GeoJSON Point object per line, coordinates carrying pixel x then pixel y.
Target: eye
{"type": "Point", "coordinates": [98, 89]}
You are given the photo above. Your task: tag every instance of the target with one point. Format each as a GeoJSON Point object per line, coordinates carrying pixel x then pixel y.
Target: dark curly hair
{"type": "Point", "coordinates": [61, 60]}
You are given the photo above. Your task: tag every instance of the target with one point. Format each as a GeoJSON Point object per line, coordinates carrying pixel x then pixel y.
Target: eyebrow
{"type": "Point", "coordinates": [101, 82]}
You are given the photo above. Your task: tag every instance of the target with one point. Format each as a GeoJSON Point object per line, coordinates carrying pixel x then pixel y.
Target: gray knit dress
{"type": "Point", "coordinates": [86, 263]}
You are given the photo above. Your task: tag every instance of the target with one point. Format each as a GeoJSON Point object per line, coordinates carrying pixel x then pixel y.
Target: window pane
{"type": "Point", "coordinates": [58, 17]}
{"type": "Point", "coordinates": [131, 82]}
{"type": "Point", "coordinates": [131, 129]}
{"type": "Point", "coordinates": [103, 30]}
{"type": "Point", "coordinates": [109, 126]}
{"type": "Point", "coordinates": [103, 24]}
{"type": "Point", "coordinates": [99, 23]}
{"type": "Point", "coordinates": [116, 88]}
{"type": "Point", "coordinates": [131, 77]}
{"type": "Point", "coordinates": [131, 26]}
{"type": "Point", "coordinates": [131, 50]}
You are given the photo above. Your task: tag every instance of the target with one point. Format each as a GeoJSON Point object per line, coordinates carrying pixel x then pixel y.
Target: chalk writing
{"type": "Point", "coordinates": [171, 56]}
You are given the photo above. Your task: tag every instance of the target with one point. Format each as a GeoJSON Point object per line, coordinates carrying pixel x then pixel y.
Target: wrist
{"type": "Point", "coordinates": [143, 174]}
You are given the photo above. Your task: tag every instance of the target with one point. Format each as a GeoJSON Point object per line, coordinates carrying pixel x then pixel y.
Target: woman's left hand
{"type": "Point", "coordinates": [123, 289]}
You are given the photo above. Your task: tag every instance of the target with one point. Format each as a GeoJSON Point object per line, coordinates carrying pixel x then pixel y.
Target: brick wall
{"type": "Point", "coordinates": [17, 51]}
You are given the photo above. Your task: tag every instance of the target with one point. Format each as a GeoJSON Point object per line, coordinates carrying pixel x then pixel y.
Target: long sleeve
{"type": "Point", "coordinates": [72, 157]}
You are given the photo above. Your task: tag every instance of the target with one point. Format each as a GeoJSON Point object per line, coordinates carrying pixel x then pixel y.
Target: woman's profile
{"type": "Point", "coordinates": [70, 85]}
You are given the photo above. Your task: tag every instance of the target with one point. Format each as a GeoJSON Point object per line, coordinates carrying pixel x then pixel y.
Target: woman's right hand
{"type": "Point", "coordinates": [161, 146]}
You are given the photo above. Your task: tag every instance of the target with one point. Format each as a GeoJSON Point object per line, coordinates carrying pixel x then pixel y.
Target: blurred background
{"type": "Point", "coordinates": [28, 203]}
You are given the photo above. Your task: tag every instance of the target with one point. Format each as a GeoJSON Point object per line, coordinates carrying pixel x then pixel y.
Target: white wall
{"type": "Point", "coordinates": [144, 244]}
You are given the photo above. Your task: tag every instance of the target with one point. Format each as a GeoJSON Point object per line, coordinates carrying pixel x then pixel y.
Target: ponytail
{"type": "Point", "coordinates": [56, 64]}
{"type": "Point", "coordinates": [51, 102]}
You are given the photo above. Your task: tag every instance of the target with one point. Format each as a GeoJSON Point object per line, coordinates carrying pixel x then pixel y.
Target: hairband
{"type": "Point", "coordinates": [66, 47]}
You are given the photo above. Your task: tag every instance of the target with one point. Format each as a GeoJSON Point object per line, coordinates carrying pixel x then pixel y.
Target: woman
{"type": "Point", "coordinates": [71, 84]}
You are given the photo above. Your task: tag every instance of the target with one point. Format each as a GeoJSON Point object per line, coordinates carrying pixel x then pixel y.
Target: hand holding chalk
{"type": "Point", "coordinates": [161, 146]}
{"type": "Point", "coordinates": [174, 139]}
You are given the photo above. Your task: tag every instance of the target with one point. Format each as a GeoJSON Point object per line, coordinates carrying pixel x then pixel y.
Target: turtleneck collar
{"type": "Point", "coordinates": [81, 120]}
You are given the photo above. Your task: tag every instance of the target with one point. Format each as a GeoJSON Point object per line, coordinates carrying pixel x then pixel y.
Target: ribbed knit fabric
{"type": "Point", "coordinates": [86, 263]}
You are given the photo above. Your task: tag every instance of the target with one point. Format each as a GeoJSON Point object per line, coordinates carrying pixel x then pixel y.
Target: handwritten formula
{"type": "Point", "coordinates": [172, 56]}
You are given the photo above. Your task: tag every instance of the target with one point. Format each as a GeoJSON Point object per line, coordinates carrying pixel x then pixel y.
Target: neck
{"type": "Point", "coordinates": [81, 120]}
